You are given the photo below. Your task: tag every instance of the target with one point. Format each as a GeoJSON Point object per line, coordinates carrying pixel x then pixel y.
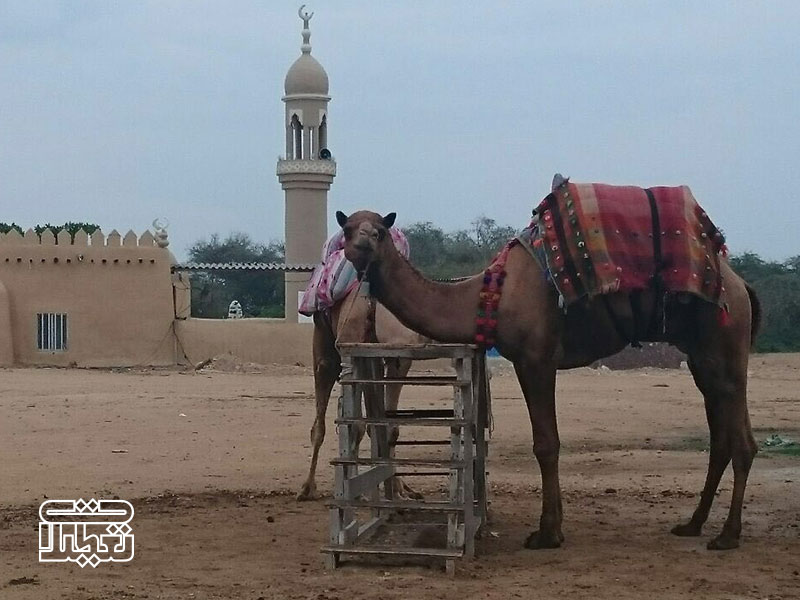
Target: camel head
{"type": "Point", "coordinates": [366, 236]}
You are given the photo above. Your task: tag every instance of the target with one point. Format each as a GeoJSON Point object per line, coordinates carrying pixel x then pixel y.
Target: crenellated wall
{"type": "Point", "coordinates": [116, 291]}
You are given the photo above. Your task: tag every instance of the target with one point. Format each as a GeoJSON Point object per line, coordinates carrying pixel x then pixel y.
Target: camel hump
{"type": "Point", "coordinates": [558, 181]}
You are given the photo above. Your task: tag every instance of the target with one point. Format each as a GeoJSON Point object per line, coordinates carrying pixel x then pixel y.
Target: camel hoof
{"type": "Point", "coordinates": [540, 541]}
{"type": "Point", "coordinates": [686, 530]}
{"type": "Point", "coordinates": [307, 493]}
{"type": "Point", "coordinates": [405, 492]}
{"type": "Point", "coordinates": [722, 542]}
{"type": "Point", "coordinates": [410, 494]}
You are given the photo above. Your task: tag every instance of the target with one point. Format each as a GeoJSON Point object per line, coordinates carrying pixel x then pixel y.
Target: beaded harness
{"type": "Point", "coordinates": [489, 299]}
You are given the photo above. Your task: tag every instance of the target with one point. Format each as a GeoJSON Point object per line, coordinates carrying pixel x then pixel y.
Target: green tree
{"type": "Point", "coordinates": [71, 227]}
{"type": "Point", "coordinates": [489, 236]}
{"type": "Point", "coordinates": [6, 227]}
{"type": "Point", "coordinates": [465, 252]}
{"type": "Point", "coordinates": [260, 293]}
{"type": "Point", "coordinates": [778, 287]}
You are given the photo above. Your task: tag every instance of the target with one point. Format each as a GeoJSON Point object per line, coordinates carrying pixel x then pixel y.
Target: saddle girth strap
{"type": "Point", "coordinates": [656, 282]}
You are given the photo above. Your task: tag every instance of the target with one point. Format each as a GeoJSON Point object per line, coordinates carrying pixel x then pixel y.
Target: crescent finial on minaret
{"type": "Point", "coordinates": [306, 16]}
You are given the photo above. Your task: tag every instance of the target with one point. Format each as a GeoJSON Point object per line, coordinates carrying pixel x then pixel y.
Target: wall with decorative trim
{"type": "Point", "coordinates": [116, 291]}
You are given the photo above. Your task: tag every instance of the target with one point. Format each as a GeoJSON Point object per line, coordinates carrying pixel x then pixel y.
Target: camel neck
{"type": "Point", "coordinates": [444, 312]}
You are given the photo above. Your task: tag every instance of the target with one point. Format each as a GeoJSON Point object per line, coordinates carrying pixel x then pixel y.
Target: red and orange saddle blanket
{"type": "Point", "coordinates": [596, 239]}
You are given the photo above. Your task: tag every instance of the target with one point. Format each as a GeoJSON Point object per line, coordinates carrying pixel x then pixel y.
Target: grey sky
{"type": "Point", "coordinates": [120, 112]}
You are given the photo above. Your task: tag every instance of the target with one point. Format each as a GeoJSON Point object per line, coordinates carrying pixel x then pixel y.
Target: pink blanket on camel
{"type": "Point", "coordinates": [336, 276]}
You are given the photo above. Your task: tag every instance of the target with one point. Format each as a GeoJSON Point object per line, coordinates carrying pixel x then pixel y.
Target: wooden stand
{"type": "Point", "coordinates": [359, 479]}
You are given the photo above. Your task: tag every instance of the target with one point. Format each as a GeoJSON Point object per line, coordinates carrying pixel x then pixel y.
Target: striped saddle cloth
{"type": "Point", "coordinates": [596, 239]}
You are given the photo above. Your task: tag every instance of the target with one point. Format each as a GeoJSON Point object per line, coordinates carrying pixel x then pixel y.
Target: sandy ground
{"type": "Point", "coordinates": [211, 460]}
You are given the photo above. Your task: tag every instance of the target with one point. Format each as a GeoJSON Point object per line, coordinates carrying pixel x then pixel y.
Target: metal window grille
{"type": "Point", "coordinates": [51, 332]}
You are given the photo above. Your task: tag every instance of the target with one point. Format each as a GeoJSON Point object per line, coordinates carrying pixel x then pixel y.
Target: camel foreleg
{"type": "Point", "coordinates": [327, 366]}
{"type": "Point", "coordinates": [538, 386]}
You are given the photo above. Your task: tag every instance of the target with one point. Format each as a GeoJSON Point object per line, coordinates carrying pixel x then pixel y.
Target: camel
{"type": "Point", "coordinates": [352, 320]}
{"type": "Point", "coordinates": [539, 339]}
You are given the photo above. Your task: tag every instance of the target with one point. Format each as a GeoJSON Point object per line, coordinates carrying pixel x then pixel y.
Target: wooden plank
{"type": "Point", "coordinates": [394, 551]}
{"type": "Point", "coordinates": [456, 476]}
{"type": "Point", "coordinates": [482, 423]}
{"type": "Point", "coordinates": [421, 505]}
{"type": "Point", "coordinates": [450, 568]}
{"type": "Point", "coordinates": [332, 561]}
{"type": "Point", "coordinates": [418, 413]}
{"type": "Point", "coordinates": [367, 481]}
{"type": "Point", "coordinates": [413, 351]}
{"type": "Point", "coordinates": [400, 462]}
{"type": "Point", "coordinates": [432, 380]}
{"type": "Point", "coordinates": [421, 473]}
{"type": "Point", "coordinates": [369, 528]}
{"type": "Point", "coordinates": [349, 534]}
{"type": "Point", "coordinates": [483, 400]}
{"type": "Point", "coordinates": [349, 407]}
{"type": "Point", "coordinates": [469, 397]}
{"type": "Point", "coordinates": [388, 422]}
{"type": "Point", "coordinates": [422, 443]}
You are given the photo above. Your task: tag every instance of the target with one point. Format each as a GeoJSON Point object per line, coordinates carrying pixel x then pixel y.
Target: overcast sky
{"type": "Point", "coordinates": [118, 112]}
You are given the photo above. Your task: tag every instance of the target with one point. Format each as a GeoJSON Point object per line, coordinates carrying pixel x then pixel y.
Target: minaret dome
{"type": "Point", "coordinates": [306, 77]}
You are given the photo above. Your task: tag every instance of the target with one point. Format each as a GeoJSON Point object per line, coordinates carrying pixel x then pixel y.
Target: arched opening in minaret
{"type": "Point", "coordinates": [323, 132]}
{"type": "Point", "coordinates": [297, 138]}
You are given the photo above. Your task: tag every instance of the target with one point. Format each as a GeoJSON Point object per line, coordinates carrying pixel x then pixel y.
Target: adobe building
{"type": "Point", "coordinates": [90, 301]}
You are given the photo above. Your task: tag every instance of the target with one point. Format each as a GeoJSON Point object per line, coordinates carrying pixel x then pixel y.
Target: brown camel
{"type": "Point", "coordinates": [539, 338]}
{"type": "Point", "coordinates": [352, 320]}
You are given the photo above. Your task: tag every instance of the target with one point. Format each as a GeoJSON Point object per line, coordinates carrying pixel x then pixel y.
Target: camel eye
{"type": "Point", "coordinates": [348, 231]}
{"type": "Point", "coordinates": [381, 234]}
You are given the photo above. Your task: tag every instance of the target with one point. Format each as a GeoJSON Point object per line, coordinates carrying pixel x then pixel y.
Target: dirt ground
{"type": "Point", "coordinates": [211, 461]}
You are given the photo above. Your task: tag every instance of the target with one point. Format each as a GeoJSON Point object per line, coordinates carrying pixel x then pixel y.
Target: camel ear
{"type": "Point", "coordinates": [388, 220]}
{"type": "Point", "coordinates": [341, 218]}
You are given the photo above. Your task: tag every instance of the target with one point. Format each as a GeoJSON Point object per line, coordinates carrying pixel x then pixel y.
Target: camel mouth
{"type": "Point", "coordinates": [363, 246]}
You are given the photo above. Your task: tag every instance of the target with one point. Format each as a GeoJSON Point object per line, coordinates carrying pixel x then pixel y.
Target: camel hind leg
{"type": "Point", "coordinates": [718, 361]}
{"type": "Point", "coordinates": [718, 459]}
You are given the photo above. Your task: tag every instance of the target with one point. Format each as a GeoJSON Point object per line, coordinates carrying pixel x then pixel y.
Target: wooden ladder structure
{"type": "Point", "coordinates": [363, 483]}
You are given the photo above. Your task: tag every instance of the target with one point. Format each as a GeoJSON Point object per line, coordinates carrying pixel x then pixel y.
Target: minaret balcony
{"type": "Point", "coordinates": [293, 166]}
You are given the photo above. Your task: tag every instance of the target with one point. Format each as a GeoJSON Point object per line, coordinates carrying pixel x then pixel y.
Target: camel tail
{"type": "Point", "coordinates": [755, 314]}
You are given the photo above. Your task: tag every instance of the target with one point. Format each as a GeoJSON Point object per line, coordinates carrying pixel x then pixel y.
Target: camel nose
{"type": "Point", "coordinates": [363, 240]}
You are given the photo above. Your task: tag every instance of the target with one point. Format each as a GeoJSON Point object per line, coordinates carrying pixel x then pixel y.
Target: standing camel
{"type": "Point", "coordinates": [538, 337]}
{"type": "Point", "coordinates": [351, 320]}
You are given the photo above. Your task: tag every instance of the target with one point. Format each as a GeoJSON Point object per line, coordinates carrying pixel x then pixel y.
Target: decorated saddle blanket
{"type": "Point", "coordinates": [335, 276]}
{"type": "Point", "coordinates": [596, 239]}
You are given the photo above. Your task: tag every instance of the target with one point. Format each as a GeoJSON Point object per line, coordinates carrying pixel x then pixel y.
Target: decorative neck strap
{"type": "Point", "coordinates": [493, 278]}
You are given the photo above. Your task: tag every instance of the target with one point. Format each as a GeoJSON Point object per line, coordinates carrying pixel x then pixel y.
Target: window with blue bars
{"type": "Point", "coordinates": [51, 332]}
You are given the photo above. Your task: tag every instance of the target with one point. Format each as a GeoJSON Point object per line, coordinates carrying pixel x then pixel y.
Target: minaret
{"type": "Point", "coordinates": [307, 169]}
